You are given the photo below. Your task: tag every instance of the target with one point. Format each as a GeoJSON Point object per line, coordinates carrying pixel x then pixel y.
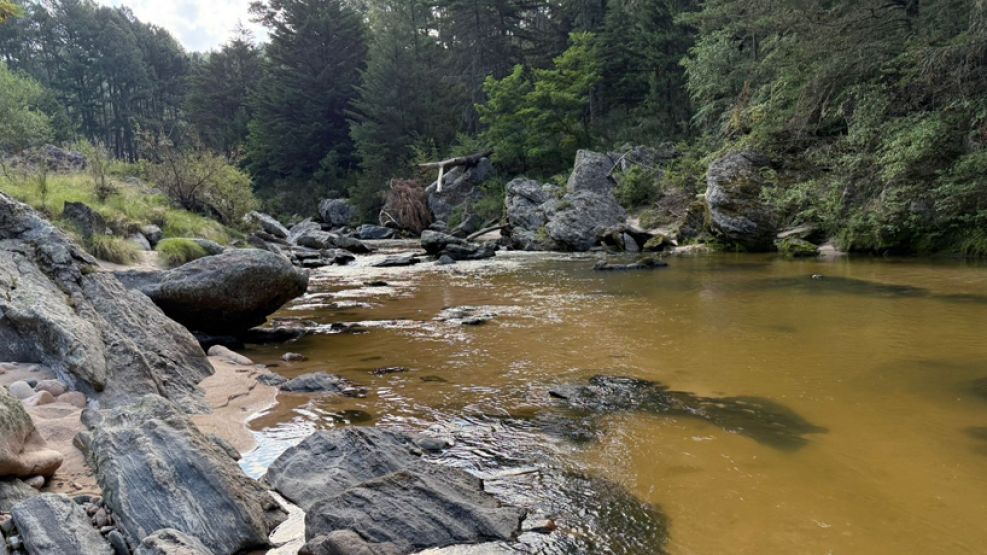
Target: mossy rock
{"type": "Point", "coordinates": [792, 247]}
{"type": "Point", "coordinates": [656, 243]}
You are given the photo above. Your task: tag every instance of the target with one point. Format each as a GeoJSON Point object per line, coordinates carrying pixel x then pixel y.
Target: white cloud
{"type": "Point", "coordinates": [198, 25]}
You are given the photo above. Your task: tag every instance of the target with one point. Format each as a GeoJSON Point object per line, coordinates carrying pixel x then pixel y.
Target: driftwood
{"type": "Point", "coordinates": [406, 206]}
{"type": "Point", "coordinates": [471, 160]}
{"type": "Point", "coordinates": [484, 231]}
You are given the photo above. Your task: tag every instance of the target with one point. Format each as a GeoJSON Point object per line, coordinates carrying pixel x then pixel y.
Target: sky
{"type": "Point", "coordinates": [199, 25]}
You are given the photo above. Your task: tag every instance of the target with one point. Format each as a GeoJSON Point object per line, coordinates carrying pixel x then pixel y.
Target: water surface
{"type": "Point", "coordinates": [882, 356]}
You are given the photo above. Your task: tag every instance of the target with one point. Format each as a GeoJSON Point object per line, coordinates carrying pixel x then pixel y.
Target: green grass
{"type": "Point", "coordinates": [113, 249]}
{"type": "Point", "coordinates": [176, 251]}
{"type": "Point", "coordinates": [125, 211]}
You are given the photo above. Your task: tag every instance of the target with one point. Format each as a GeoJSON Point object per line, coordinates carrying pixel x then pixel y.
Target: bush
{"type": "Point", "coordinates": [637, 186]}
{"type": "Point", "coordinates": [113, 249]}
{"type": "Point", "coordinates": [177, 251]}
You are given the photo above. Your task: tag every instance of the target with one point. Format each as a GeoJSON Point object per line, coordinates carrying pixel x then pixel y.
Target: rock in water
{"type": "Point", "coordinates": [23, 452]}
{"type": "Point", "coordinates": [414, 510]}
{"type": "Point", "coordinates": [368, 232]}
{"type": "Point", "coordinates": [441, 244]}
{"type": "Point", "coordinates": [336, 212]}
{"type": "Point", "coordinates": [267, 223]}
{"type": "Point", "coordinates": [733, 193]}
{"type": "Point", "coordinates": [171, 542]}
{"type": "Point", "coordinates": [228, 293]}
{"type": "Point", "coordinates": [157, 470]}
{"type": "Point", "coordinates": [53, 524]}
{"type": "Point", "coordinates": [321, 382]}
{"type": "Point", "coordinates": [58, 309]}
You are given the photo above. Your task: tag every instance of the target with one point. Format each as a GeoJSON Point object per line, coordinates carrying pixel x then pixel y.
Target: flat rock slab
{"type": "Point", "coordinates": [157, 471]}
{"type": "Point", "coordinates": [53, 524]}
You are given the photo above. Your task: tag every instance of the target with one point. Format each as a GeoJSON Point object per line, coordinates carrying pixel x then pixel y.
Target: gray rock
{"type": "Point", "coordinates": [580, 218]}
{"type": "Point", "coordinates": [301, 228]}
{"type": "Point", "coordinates": [398, 260]}
{"type": "Point", "coordinates": [157, 470]}
{"type": "Point", "coordinates": [321, 382]}
{"type": "Point", "coordinates": [230, 355]}
{"type": "Point", "coordinates": [228, 293]}
{"type": "Point", "coordinates": [459, 189]}
{"type": "Point", "coordinates": [591, 173]}
{"type": "Point", "coordinates": [417, 509]}
{"type": "Point", "coordinates": [86, 220]}
{"type": "Point", "coordinates": [153, 234]}
{"type": "Point", "coordinates": [171, 542]}
{"type": "Point", "coordinates": [57, 159]}
{"type": "Point", "coordinates": [438, 244]}
{"type": "Point", "coordinates": [471, 224]}
{"type": "Point", "coordinates": [328, 463]}
{"type": "Point", "coordinates": [526, 206]}
{"type": "Point", "coordinates": [139, 241]}
{"type": "Point", "coordinates": [118, 542]}
{"type": "Point", "coordinates": [369, 232]}
{"type": "Point", "coordinates": [645, 263]}
{"type": "Point", "coordinates": [23, 452]}
{"type": "Point", "coordinates": [267, 223]}
{"type": "Point", "coordinates": [52, 524]}
{"type": "Point", "coordinates": [733, 193]}
{"type": "Point", "coordinates": [55, 387]}
{"type": "Point", "coordinates": [12, 492]}
{"type": "Point", "coordinates": [346, 542]}
{"type": "Point", "coordinates": [445, 260]}
{"type": "Point", "coordinates": [21, 390]}
{"type": "Point", "coordinates": [212, 248]}
{"type": "Point", "coordinates": [336, 212]}
{"type": "Point", "coordinates": [293, 357]}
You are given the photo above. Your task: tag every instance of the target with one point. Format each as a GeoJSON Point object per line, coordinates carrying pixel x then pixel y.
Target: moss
{"type": "Point", "coordinates": [175, 252]}
{"type": "Point", "coordinates": [113, 249]}
{"type": "Point", "coordinates": [792, 247]}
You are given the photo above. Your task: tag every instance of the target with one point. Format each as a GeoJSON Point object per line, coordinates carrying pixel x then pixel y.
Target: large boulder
{"type": "Point", "coordinates": [86, 220]}
{"type": "Point", "coordinates": [58, 309]}
{"type": "Point", "coordinates": [336, 212]}
{"type": "Point", "coordinates": [540, 218]}
{"type": "Point", "coordinates": [733, 193]}
{"type": "Point", "coordinates": [157, 470]}
{"type": "Point", "coordinates": [52, 524]}
{"type": "Point", "coordinates": [459, 189]}
{"type": "Point", "coordinates": [374, 483]}
{"type": "Point", "coordinates": [439, 244]}
{"type": "Point", "coordinates": [23, 452]}
{"type": "Point", "coordinates": [369, 232]}
{"type": "Point", "coordinates": [13, 492]}
{"type": "Point", "coordinates": [267, 223]}
{"type": "Point", "coordinates": [225, 294]}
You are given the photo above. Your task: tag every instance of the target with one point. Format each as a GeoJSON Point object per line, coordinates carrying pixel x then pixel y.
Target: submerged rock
{"type": "Point", "coordinates": [58, 309]}
{"type": "Point", "coordinates": [228, 293]}
{"type": "Point", "coordinates": [733, 193]}
{"type": "Point", "coordinates": [646, 263]}
{"type": "Point", "coordinates": [53, 524]}
{"type": "Point", "coordinates": [793, 247]}
{"type": "Point", "coordinates": [321, 382]}
{"type": "Point", "coordinates": [760, 419]}
{"type": "Point", "coordinates": [157, 470]}
{"type": "Point", "coordinates": [398, 261]}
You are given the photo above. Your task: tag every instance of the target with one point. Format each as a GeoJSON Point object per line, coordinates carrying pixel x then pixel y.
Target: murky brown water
{"type": "Point", "coordinates": [882, 355]}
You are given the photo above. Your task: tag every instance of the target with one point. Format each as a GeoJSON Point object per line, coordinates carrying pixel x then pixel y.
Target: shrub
{"type": "Point", "coordinates": [113, 249]}
{"type": "Point", "coordinates": [637, 186]}
{"type": "Point", "coordinates": [177, 251]}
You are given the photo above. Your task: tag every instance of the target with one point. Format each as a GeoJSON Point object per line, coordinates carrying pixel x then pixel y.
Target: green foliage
{"type": "Point", "coordinates": [536, 120]}
{"type": "Point", "coordinates": [113, 249]}
{"type": "Point", "coordinates": [638, 186]}
{"type": "Point", "coordinates": [490, 206]}
{"type": "Point", "coordinates": [22, 123]}
{"type": "Point", "coordinates": [8, 10]}
{"type": "Point", "coordinates": [177, 251]}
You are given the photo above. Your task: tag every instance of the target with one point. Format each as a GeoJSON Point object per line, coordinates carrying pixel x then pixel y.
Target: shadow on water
{"type": "Point", "coordinates": [979, 433]}
{"type": "Point", "coordinates": [850, 286]}
{"type": "Point", "coordinates": [760, 419]}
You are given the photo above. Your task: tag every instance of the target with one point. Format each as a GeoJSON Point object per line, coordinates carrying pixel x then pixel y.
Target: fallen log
{"type": "Point", "coordinates": [470, 160]}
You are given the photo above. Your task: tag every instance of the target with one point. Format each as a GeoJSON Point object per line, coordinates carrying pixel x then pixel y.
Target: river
{"type": "Point", "coordinates": [881, 357]}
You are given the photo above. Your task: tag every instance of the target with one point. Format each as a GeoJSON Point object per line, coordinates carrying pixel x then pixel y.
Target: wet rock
{"type": "Point", "coordinates": [231, 356]}
{"type": "Point", "coordinates": [796, 248]}
{"type": "Point", "coordinates": [228, 293]}
{"type": "Point", "coordinates": [273, 380]}
{"type": "Point", "coordinates": [760, 419]}
{"type": "Point", "coordinates": [397, 261]}
{"type": "Point", "coordinates": [23, 452]}
{"type": "Point", "coordinates": [97, 336]}
{"type": "Point", "coordinates": [293, 357]}
{"type": "Point", "coordinates": [445, 260]}
{"type": "Point", "coordinates": [321, 382]}
{"type": "Point", "coordinates": [646, 263]}
{"type": "Point", "coordinates": [369, 232]}
{"type": "Point", "coordinates": [353, 245]}
{"type": "Point", "coordinates": [415, 510]}
{"type": "Point", "coordinates": [389, 370]}
{"type": "Point", "coordinates": [53, 524]}
{"type": "Point", "coordinates": [268, 223]}
{"type": "Point", "coordinates": [171, 542]}
{"type": "Point", "coordinates": [733, 193]}
{"type": "Point", "coordinates": [336, 212]}
{"type": "Point", "coordinates": [466, 315]}
{"type": "Point", "coordinates": [440, 244]}
{"type": "Point", "coordinates": [12, 492]}
{"type": "Point", "coordinates": [140, 453]}
{"type": "Point", "coordinates": [84, 219]}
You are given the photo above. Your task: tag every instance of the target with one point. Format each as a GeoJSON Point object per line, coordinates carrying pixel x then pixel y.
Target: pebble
{"type": "Point", "coordinates": [21, 390]}
{"type": "Point", "coordinates": [36, 482]}
{"type": "Point", "coordinates": [38, 399]}
{"type": "Point", "coordinates": [293, 357]}
{"type": "Point", "coordinates": [54, 387]}
{"type": "Point", "coordinates": [75, 398]}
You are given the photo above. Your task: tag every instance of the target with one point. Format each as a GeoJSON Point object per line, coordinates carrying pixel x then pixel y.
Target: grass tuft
{"type": "Point", "coordinates": [175, 252]}
{"type": "Point", "coordinates": [113, 249]}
